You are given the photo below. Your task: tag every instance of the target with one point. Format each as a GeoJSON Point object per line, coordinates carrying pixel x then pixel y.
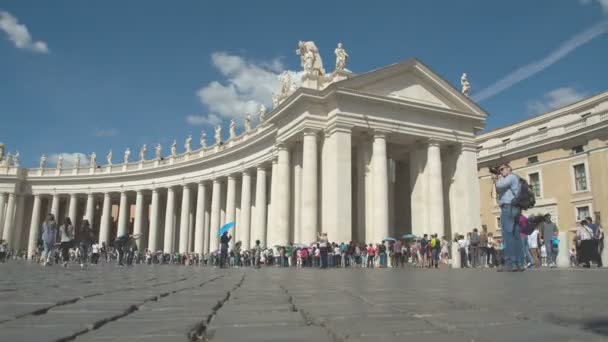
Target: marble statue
{"type": "Point", "coordinates": [77, 161]}
{"type": "Point", "coordinates": [466, 86]}
{"type": "Point", "coordinates": [93, 160]}
{"type": "Point", "coordinates": [275, 100]}
{"type": "Point", "coordinates": [127, 154]}
{"type": "Point", "coordinates": [232, 129]}
{"type": "Point", "coordinates": [310, 59]}
{"type": "Point", "coordinates": [218, 135]}
{"type": "Point", "coordinates": [247, 122]}
{"type": "Point", "coordinates": [188, 143]}
{"type": "Point", "coordinates": [109, 158]}
{"type": "Point", "coordinates": [142, 153]}
{"type": "Point", "coordinates": [203, 139]}
{"type": "Point", "coordinates": [59, 162]}
{"type": "Point", "coordinates": [262, 113]}
{"type": "Point", "coordinates": [16, 159]}
{"type": "Point", "coordinates": [1, 151]}
{"type": "Point", "coordinates": [174, 148]}
{"type": "Point", "coordinates": [287, 87]}
{"type": "Point", "coordinates": [42, 161]}
{"type": "Point", "coordinates": [158, 151]}
{"type": "Point", "coordinates": [341, 57]}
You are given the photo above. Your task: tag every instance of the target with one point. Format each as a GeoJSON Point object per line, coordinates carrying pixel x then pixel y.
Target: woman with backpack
{"type": "Point", "coordinates": [67, 240]}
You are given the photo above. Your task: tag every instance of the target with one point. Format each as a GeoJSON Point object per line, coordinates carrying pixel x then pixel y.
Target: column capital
{"type": "Point", "coordinates": [435, 142]}
{"type": "Point", "coordinates": [246, 172]}
{"type": "Point", "coordinates": [381, 133]}
{"type": "Point", "coordinates": [338, 127]}
{"type": "Point", "coordinates": [310, 132]}
{"type": "Point", "coordinates": [468, 146]}
{"type": "Point", "coordinates": [139, 191]}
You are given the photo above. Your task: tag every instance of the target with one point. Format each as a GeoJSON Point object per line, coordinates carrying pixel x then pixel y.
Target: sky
{"type": "Point", "coordinates": [79, 76]}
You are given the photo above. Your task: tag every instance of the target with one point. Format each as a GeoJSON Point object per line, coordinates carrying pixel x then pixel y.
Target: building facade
{"type": "Point", "coordinates": [361, 157]}
{"type": "Point", "coordinates": [563, 154]}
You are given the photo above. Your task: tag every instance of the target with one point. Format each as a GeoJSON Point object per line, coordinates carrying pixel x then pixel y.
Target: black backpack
{"type": "Point", "coordinates": [525, 199]}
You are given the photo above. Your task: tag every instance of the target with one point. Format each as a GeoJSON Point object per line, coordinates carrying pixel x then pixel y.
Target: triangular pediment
{"type": "Point", "coordinates": [413, 81]}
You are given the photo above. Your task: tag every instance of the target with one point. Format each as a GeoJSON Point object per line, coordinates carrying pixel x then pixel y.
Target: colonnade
{"type": "Point", "coordinates": [319, 183]}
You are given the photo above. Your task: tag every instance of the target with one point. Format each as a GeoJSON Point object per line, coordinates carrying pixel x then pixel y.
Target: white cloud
{"type": "Point", "coordinates": [247, 84]}
{"type": "Point", "coordinates": [533, 68]}
{"type": "Point", "coordinates": [111, 132]}
{"type": "Point", "coordinates": [603, 4]}
{"type": "Point", "coordinates": [555, 99]}
{"type": "Point", "coordinates": [19, 34]}
{"type": "Point", "coordinates": [69, 159]}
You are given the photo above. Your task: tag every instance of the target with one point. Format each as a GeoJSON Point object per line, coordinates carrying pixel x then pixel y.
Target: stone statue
{"type": "Point", "coordinates": [247, 122]}
{"type": "Point", "coordinates": [16, 159]}
{"type": "Point", "coordinates": [218, 135]}
{"type": "Point", "coordinates": [77, 161]}
{"type": "Point", "coordinates": [203, 140]}
{"type": "Point", "coordinates": [310, 59]}
{"type": "Point", "coordinates": [158, 151]}
{"type": "Point", "coordinates": [59, 162]}
{"type": "Point", "coordinates": [174, 148]}
{"type": "Point", "coordinates": [466, 86]}
{"type": "Point", "coordinates": [287, 87]}
{"type": "Point", "coordinates": [1, 151]}
{"type": "Point", "coordinates": [142, 153]}
{"type": "Point", "coordinates": [275, 100]}
{"type": "Point", "coordinates": [93, 160]}
{"type": "Point", "coordinates": [188, 143]}
{"type": "Point", "coordinates": [109, 158]}
{"type": "Point", "coordinates": [232, 129]}
{"type": "Point", "coordinates": [127, 154]}
{"type": "Point", "coordinates": [42, 161]}
{"type": "Point", "coordinates": [341, 57]}
{"type": "Point", "coordinates": [262, 113]}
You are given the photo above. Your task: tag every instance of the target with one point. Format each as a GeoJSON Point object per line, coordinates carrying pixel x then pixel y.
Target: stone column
{"type": "Point", "coordinates": [199, 226]}
{"type": "Point", "coordinates": [214, 225]}
{"type": "Point", "coordinates": [464, 194]}
{"type": "Point", "coordinates": [419, 192]}
{"type": "Point", "coordinates": [296, 207]}
{"type": "Point", "coordinates": [563, 257]}
{"type": "Point", "coordinates": [18, 230]}
{"type": "Point", "coordinates": [272, 208]}
{"type": "Point", "coordinates": [2, 211]}
{"type": "Point", "coordinates": [90, 210]}
{"type": "Point", "coordinates": [34, 227]}
{"type": "Point", "coordinates": [139, 218]}
{"type": "Point", "coordinates": [435, 189]}
{"type": "Point", "coordinates": [380, 187]}
{"type": "Point", "coordinates": [9, 220]}
{"type": "Point", "coordinates": [55, 207]}
{"type": "Point", "coordinates": [73, 209]}
{"type": "Point", "coordinates": [259, 226]}
{"type": "Point", "coordinates": [153, 233]}
{"type": "Point", "coordinates": [245, 220]}
{"type": "Point", "coordinates": [283, 196]}
{"type": "Point", "coordinates": [123, 215]}
{"type": "Point", "coordinates": [106, 217]}
{"type": "Point", "coordinates": [337, 188]}
{"type": "Point", "coordinates": [184, 222]}
{"type": "Point", "coordinates": [309, 215]}
{"type": "Point", "coordinates": [231, 205]}
{"type": "Point", "coordinates": [168, 246]}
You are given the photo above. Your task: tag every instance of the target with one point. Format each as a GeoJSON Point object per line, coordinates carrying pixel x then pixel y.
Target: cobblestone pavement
{"type": "Point", "coordinates": [169, 303]}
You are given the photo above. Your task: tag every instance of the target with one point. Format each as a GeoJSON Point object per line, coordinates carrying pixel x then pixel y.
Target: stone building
{"type": "Point", "coordinates": [563, 154]}
{"type": "Point", "coordinates": [361, 157]}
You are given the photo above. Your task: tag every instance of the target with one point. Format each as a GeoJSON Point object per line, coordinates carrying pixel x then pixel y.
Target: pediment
{"type": "Point", "coordinates": [413, 81]}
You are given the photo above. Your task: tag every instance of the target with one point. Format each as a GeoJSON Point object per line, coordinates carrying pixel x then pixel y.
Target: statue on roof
{"type": "Point", "coordinates": [466, 86]}
{"type": "Point", "coordinates": [218, 135]}
{"type": "Point", "coordinates": [77, 161]}
{"type": "Point", "coordinates": [262, 113]}
{"type": "Point", "coordinates": [93, 158]}
{"type": "Point", "coordinates": [188, 143]}
{"type": "Point", "coordinates": [174, 148]}
{"type": "Point", "coordinates": [310, 59]}
{"type": "Point", "coordinates": [127, 154]}
{"type": "Point", "coordinates": [203, 139]}
{"type": "Point", "coordinates": [16, 159]}
{"type": "Point", "coordinates": [59, 161]}
{"type": "Point", "coordinates": [109, 158]}
{"type": "Point", "coordinates": [42, 161]}
{"type": "Point", "coordinates": [247, 122]}
{"type": "Point", "coordinates": [142, 153]}
{"type": "Point", "coordinates": [232, 129]}
{"type": "Point", "coordinates": [158, 150]}
{"type": "Point", "coordinates": [341, 58]}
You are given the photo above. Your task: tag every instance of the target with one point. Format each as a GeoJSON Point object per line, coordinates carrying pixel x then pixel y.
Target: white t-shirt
{"type": "Point", "coordinates": [95, 248]}
{"type": "Point", "coordinates": [533, 239]}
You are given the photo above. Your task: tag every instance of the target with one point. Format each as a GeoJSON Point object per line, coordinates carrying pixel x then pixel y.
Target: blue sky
{"type": "Point", "coordinates": [92, 76]}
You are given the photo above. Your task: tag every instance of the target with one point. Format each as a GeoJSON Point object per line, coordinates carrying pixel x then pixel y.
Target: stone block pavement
{"type": "Point", "coordinates": [186, 303]}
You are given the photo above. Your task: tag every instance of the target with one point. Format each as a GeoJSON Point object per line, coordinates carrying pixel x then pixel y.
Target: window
{"type": "Point", "coordinates": [580, 177]}
{"type": "Point", "coordinates": [577, 149]}
{"type": "Point", "coordinates": [582, 213]}
{"type": "Point", "coordinates": [535, 183]}
{"type": "Point", "coordinates": [533, 159]}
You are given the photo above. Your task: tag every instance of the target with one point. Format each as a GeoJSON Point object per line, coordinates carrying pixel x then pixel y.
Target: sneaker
{"type": "Point", "coordinates": [81, 265]}
{"type": "Point", "coordinates": [553, 266]}
{"type": "Point", "coordinates": [529, 265]}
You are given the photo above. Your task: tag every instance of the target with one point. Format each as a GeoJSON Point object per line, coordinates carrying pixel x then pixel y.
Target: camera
{"type": "Point", "coordinates": [495, 170]}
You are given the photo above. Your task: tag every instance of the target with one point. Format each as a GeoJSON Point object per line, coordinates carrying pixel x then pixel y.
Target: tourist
{"type": "Point", "coordinates": [483, 247]}
{"type": "Point", "coordinates": [474, 249]}
{"type": "Point", "coordinates": [323, 246]}
{"type": "Point", "coordinates": [532, 241]}
{"type": "Point", "coordinates": [491, 256]}
{"type": "Point", "coordinates": [3, 250]}
{"type": "Point", "coordinates": [371, 254]}
{"type": "Point", "coordinates": [598, 239]}
{"type": "Point", "coordinates": [67, 240]}
{"type": "Point", "coordinates": [584, 238]}
{"type": "Point", "coordinates": [95, 253]}
{"type": "Point", "coordinates": [462, 249]}
{"type": "Point", "coordinates": [224, 240]}
{"type": "Point", "coordinates": [86, 240]}
{"type": "Point", "coordinates": [507, 189]}
{"type": "Point", "coordinates": [528, 257]}
{"type": "Point", "coordinates": [543, 255]}
{"type": "Point", "coordinates": [49, 238]}
{"type": "Point", "coordinates": [548, 230]}
{"type": "Point", "coordinates": [121, 245]}
{"type": "Point", "coordinates": [436, 249]}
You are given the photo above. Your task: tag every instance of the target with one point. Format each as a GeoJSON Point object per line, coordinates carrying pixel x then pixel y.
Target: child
{"type": "Point", "coordinates": [543, 255]}
{"type": "Point", "coordinates": [572, 255]}
{"type": "Point", "coordinates": [554, 250]}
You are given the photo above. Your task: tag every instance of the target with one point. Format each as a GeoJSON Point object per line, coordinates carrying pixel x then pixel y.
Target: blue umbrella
{"type": "Point", "coordinates": [409, 236]}
{"type": "Point", "coordinates": [225, 228]}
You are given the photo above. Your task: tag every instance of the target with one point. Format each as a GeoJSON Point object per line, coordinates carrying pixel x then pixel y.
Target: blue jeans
{"type": "Point", "coordinates": [526, 249]}
{"type": "Point", "coordinates": [513, 249]}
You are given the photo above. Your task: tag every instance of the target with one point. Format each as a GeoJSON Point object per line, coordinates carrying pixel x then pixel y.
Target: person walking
{"type": "Point", "coordinates": [584, 238]}
{"type": "Point", "coordinates": [532, 240]}
{"type": "Point", "coordinates": [224, 240]}
{"type": "Point", "coordinates": [67, 240]}
{"type": "Point", "coordinates": [86, 238]}
{"type": "Point", "coordinates": [323, 245]}
{"type": "Point", "coordinates": [507, 189]}
{"type": "Point", "coordinates": [49, 238]}
{"type": "Point", "coordinates": [598, 241]}
{"type": "Point", "coordinates": [548, 230]}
